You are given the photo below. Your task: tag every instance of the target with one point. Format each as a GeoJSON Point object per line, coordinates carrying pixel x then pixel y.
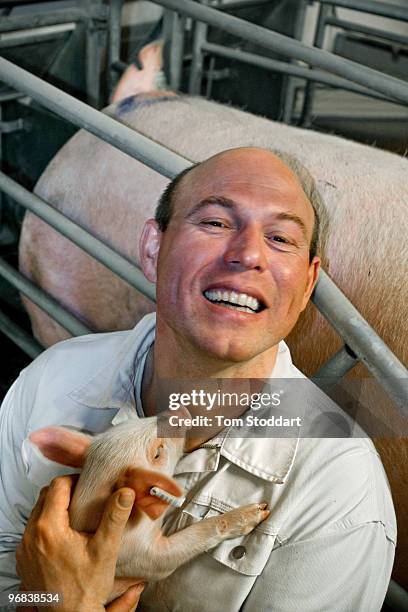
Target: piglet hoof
{"type": "Point", "coordinates": [243, 520]}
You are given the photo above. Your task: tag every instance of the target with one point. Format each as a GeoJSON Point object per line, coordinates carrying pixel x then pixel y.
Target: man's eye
{"type": "Point", "coordinates": [214, 223]}
{"type": "Point", "coordinates": [277, 238]}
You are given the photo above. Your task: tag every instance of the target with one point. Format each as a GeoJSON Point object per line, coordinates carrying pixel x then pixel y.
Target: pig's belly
{"type": "Point", "coordinates": [364, 246]}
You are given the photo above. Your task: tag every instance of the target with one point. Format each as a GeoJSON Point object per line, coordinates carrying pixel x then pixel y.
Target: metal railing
{"type": "Point", "coordinates": [326, 18]}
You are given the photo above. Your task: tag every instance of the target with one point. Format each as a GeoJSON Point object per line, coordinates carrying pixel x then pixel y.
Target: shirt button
{"type": "Point", "coordinates": [238, 552]}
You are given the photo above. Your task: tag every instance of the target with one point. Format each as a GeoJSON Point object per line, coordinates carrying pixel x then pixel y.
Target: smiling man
{"type": "Point", "coordinates": [233, 252]}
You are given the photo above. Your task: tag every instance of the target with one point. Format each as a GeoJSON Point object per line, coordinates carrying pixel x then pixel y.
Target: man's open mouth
{"type": "Point", "coordinates": [236, 301]}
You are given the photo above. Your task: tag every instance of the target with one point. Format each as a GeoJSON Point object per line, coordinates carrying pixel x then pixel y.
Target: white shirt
{"type": "Point", "coordinates": [328, 543]}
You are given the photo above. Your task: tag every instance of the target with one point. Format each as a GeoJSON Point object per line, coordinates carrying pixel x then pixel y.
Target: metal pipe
{"type": "Point", "coordinates": [289, 47]}
{"type": "Point", "coordinates": [177, 24]}
{"type": "Point", "coordinates": [363, 29]}
{"type": "Point", "coordinates": [292, 69]}
{"type": "Point", "coordinates": [374, 7]}
{"type": "Point", "coordinates": [305, 115]}
{"type": "Point", "coordinates": [336, 367]}
{"type": "Point", "coordinates": [127, 140]}
{"type": "Point", "coordinates": [196, 70]}
{"type": "Point", "coordinates": [289, 83]}
{"type": "Point", "coordinates": [19, 336]}
{"type": "Point", "coordinates": [114, 28]}
{"type": "Point", "coordinates": [92, 56]}
{"type": "Point", "coordinates": [363, 340]}
{"type": "Point", "coordinates": [33, 38]}
{"type": "Point", "coordinates": [43, 300]}
{"type": "Point", "coordinates": [95, 247]}
{"type": "Point", "coordinates": [233, 6]}
{"type": "Point", "coordinates": [31, 21]}
{"type": "Point", "coordinates": [7, 96]}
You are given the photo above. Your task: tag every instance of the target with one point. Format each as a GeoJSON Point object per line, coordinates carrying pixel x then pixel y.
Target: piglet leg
{"type": "Point", "coordinates": [169, 553]}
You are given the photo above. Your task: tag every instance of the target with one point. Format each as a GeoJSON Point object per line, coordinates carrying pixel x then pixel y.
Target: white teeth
{"type": "Point", "coordinates": [249, 303]}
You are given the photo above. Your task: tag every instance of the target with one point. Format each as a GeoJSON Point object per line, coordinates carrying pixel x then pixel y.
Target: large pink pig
{"type": "Point", "coordinates": [364, 244]}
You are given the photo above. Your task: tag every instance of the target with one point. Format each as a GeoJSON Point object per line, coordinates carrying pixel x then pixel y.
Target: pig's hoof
{"type": "Point", "coordinates": [243, 520]}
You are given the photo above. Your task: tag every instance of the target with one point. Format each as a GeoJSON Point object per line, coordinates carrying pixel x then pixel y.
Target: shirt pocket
{"type": "Point", "coordinates": [247, 554]}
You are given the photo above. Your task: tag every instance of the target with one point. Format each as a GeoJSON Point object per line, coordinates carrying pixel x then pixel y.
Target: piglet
{"type": "Point", "coordinates": [131, 454]}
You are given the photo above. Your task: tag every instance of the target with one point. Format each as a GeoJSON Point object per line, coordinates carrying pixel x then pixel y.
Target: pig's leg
{"type": "Point", "coordinates": [168, 553]}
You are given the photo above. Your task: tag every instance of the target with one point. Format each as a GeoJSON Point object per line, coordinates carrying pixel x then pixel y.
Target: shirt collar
{"type": "Point", "coordinates": [113, 387]}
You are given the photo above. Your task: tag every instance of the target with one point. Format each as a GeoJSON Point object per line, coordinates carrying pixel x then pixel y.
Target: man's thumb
{"type": "Point", "coordinates": [114, 519]}
{"type": "Point", "coordinates": [128, 601]}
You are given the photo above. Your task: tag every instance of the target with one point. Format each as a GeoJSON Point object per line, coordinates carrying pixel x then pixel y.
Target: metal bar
{"type": "Point", "coordinates": [176, 43]}
{"type": "Point", "coordinates": [374, 7]}
{"type": "Point", "coordinates": [363, 29]}
{"type": "Point", "coordinates": [114, 28]}
{"type": "Point", "coordinates": [292, 69]}
{"type": "Point", "coordinates": [289, 47]}
{"type": "Point", "coordinates": [32, 39]}
{"type": "Point", "coordinates": [363, 340]}
{"type": "Point", "coordinates": [31, 21]}
{"type": "Point", "coordinates": [43, 300]}
{"type": "Point", "coordinates": [95, 247]}
{"type": "Point", "coordinates": [19, 336]}
{"type": "Point", "coordinates": [196, 70]}
{"type": "Point", "coordinates": [289, 83]}
{"type": "Point", "coordinates": [233, 6]}
{"type": "Point", "coordinates": [336, 367]}
{"type": "Point", "coordinates": [8, 96]}
{"type": "Point", "coordinates": [92, 64]}
{"type": "Point", "coordinates": [305, 115]}
{"type": "Point", "coordinates": [14, 3]}
{"type": "Point", "coordinates": [124, 138]}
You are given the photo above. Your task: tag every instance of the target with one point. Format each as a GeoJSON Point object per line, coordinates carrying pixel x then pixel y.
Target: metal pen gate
{"type": "Point", "coordinates": [361, 343]}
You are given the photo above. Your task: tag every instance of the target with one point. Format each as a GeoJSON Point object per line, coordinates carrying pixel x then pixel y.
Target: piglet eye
{"type": "Point", "coordinates": [158, 451]}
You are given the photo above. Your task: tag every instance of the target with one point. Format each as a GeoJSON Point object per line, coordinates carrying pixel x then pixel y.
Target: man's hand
{"type": "Point", "coordinates": [80, 566]}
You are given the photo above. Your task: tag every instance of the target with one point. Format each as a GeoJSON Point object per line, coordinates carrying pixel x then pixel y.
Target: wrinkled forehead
{"type": "Point", "coordinates": [241, 172]}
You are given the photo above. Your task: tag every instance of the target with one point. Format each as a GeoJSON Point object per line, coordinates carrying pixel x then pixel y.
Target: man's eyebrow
{"type": "Point", "coordinates": [291, 217]}
{"type": "Point", "coordinates": [212, 200]}
{"type": "Point", "coordinates": [231, 204]}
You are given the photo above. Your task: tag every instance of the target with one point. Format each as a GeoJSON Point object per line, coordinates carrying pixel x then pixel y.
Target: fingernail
{"type": "Point", "coordinates": [126, 499]}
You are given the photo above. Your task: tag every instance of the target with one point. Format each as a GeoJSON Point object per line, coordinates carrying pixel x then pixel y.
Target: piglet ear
{"type": "Point", "coordinates": [62, 445]}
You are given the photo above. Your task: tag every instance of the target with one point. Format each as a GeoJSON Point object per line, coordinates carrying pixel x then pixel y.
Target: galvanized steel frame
{"type": "Point", "coordinates": [326, 19]}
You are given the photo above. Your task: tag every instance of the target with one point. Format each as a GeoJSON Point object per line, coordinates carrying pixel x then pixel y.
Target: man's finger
{"type": "Point", "coordinates": [117, 511]}
{"type": "Point", "coordinates": [128, 601]}
{"type": "Point", "coordinates": [57, 501]}
{"type": "Point", "coordinates": [39, 504]}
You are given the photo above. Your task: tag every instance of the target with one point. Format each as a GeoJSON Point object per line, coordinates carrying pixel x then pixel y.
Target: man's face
{"type": "Point", "coordinates": [233, 271]}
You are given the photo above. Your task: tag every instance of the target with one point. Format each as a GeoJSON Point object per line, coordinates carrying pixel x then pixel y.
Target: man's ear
{"type": "Point", "coordinates": [312, 276]}
{"type": "Point", "coordinates": [149, 247]}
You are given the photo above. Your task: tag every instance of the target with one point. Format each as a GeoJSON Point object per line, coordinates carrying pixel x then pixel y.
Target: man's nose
{"type": "Point", "coordinates": [246, 250]}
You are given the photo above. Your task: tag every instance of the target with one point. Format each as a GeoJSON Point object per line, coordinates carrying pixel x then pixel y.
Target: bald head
{"type": "Point", "coordinates": [238, 167]}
